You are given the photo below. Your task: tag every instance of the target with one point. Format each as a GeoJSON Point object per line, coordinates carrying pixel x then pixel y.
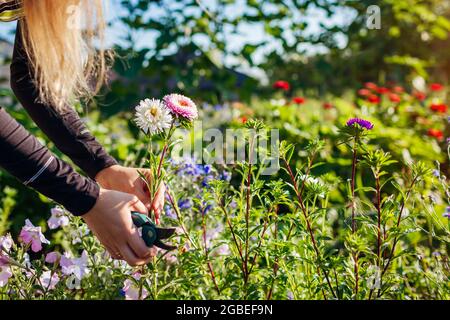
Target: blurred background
{"type": "Point", "coordinates": [230, 54]}
{"type": "Point", "coordinates": [231, 49]}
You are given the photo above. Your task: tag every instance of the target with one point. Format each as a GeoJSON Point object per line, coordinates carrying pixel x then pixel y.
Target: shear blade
{"type": "Point", "coordinates": [164, 233]}
{"type": "Point", "coordinates": [164, 246]}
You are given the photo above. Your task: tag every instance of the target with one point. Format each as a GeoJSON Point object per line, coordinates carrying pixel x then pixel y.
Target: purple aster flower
{"type": "Point", "coordinates": [169, 212]}
{"type": "Point", "coordinates": [185, 204]}
{"type": "Point", "coordinates": [225, 176]}
{"type": "Point", "coordinates": [447, 213]}
{"type": "Point", "coordinates": [361, 122]}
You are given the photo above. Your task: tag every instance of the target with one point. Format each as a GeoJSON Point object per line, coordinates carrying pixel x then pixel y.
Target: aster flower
{"type": "Point", "coordinates": [361, 122]}
{"type": "Point", "coordinates": [152, 116]}
{"type": "Point", "coordinates": [58, 219]}
{"type": "Point", "coordinates": [31, 235]}
{"type": "Point", "coordinates": [181, 106]}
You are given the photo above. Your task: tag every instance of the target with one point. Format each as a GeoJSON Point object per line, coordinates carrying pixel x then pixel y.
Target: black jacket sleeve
{"type": "Point", "coordinates": [24, 157]}
{"type": "Point", "coordinates": [64, 128]}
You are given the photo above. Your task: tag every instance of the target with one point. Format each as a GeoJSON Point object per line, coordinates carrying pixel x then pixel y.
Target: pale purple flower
{"type": "Point", "coordinates": [58, 219]}
{"type": "Point", "coordinates": [49, 280]}
{"type": "Point", "coordinates": [75, 266]}
{"type": "Point", "coordinates": [5, 274]}
{"type": "Point", "coordinates": [131, 290]}
{"type": "Point", "coordinates": [181, 106]}
{"type": "Point", "coordinates": [171, 257]}
{"type": "Point", "coordinates": [6, 242]}
{"type": "Point", "coordinates": [447, 213]}
{"type": "Point", "coordinates": [361, 122]}
{"type": "Point", "coordinates": [223, 250]}
{"type": "Point", "coordinates": [4, 260]}
{"type": "Point", "coordinates": [53, 257]}
{"type": "Point", "coordinates": [31, 235]}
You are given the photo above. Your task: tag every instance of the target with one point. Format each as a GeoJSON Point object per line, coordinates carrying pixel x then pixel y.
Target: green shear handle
{"type": "Point", "coordinates": [151, 234]}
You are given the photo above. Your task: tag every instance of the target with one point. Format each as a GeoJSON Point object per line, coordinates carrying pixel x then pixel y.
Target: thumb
{"type": "Point", "coordinates": [143, 197]}
{"type": "Point", "coordinates": [137, 205]}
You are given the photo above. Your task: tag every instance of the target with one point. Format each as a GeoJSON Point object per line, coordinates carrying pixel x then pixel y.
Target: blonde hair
{"type": "Point", "coordinates": [60, 38]}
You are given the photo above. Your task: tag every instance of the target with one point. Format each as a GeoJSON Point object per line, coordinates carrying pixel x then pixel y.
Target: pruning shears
{"type": "Point", "coordinates": [151, 234]}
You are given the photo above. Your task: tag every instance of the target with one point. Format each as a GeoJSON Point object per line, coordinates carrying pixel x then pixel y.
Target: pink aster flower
{"type": "Point", "coordinates": [181, 106]}
{"type": "Point", "coordinates": [58, 219]}
{"type": "Point", "coordinates": [49, 280]}
{"type": "Point", "coordinates": [31, 235]}
{"type": "Point", "coordinates": [5, 274]}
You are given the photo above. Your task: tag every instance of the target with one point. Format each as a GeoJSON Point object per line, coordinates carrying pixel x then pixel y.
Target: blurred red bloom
{"type": "Point", "coordinates": [398, 89]}
{"type": "Point", "coordinates": [382, 90]}
{"type": "Point", "coordinates": [371, 86]}
{"type": "Point", "coordinates": [435, 133]}
{"type": "Point", "coordinates": [420, 95]}
{"type": "Point", "coordinates": [395, 98]}
{"type": "Point", "coordinates": [243, 119]}
{"type": "Point", "coordinates": [283, 85]}
{"type": "Point", "coordinates": [327, 106]}
{"type": "Point", "coordinates": [374, 99]}
{"type": "Point", "coordinates": [439, 107]}
{"type": "Point", "coordinates": [299, 100]}
{"type": "Point", "coordinates": [364, 92]}
{"type": "Point", "coordinates": [436, 87]}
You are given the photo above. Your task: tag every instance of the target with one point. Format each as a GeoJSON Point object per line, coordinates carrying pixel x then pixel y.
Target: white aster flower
{"type": "Point", "coordinates": [152, 116]}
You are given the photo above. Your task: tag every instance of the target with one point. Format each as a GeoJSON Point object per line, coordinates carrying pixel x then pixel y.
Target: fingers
{"type": "Point", "coordinates": [158, 202]}
{"type": "Point", "coordinates": [138, 245]}
{"type": "Point", "coordinates": [130, 257]}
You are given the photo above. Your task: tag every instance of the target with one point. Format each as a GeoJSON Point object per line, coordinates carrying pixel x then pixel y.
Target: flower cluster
{"type": "Point", "coordinates": [154, 116]}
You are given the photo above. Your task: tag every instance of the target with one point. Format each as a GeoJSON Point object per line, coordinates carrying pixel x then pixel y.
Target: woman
{"type": "Point", "coordinates": [54, 64]}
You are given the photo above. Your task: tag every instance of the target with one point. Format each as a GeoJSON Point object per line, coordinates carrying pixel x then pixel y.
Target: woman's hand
{"type": "Point", "coordinates": [110, 221]}
{"type": "Point", "coordinates": [128, 180]}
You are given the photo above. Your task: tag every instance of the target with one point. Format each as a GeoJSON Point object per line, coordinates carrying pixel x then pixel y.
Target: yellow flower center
{"type": "Point", "coordinates": [153, 111]}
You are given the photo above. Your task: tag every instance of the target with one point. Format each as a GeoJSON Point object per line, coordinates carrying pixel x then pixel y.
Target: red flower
{"type": "Point", "coordinates": [382, 90]}
{"type": "Point", "coordinates": [364, 92]}
{"type": "Point", "coordinates": [439, 107]}
{"type": "Point", "coordinates": [436, 87]}
{"type": "Point", "coordinates": [374, 99]}
{"type": "Point", "coordinates": [435, 133]}
{"type": "Point", "coordinates": [243, 119]}
{"type": "Point", "coordinates": [327, 106]}
{"type": "Point", "coordinates": [395, 98]}
{"type": "Point", "coordinates": [299, 100]}
{"type": "Point", "coordinates": [420, 96]}
{"type": "Point", "coordinates": [371, 86]}
{"type": "Point", "coordinates": [398, 89]}
{"type": "Point", "coordinates": [283, 85]}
